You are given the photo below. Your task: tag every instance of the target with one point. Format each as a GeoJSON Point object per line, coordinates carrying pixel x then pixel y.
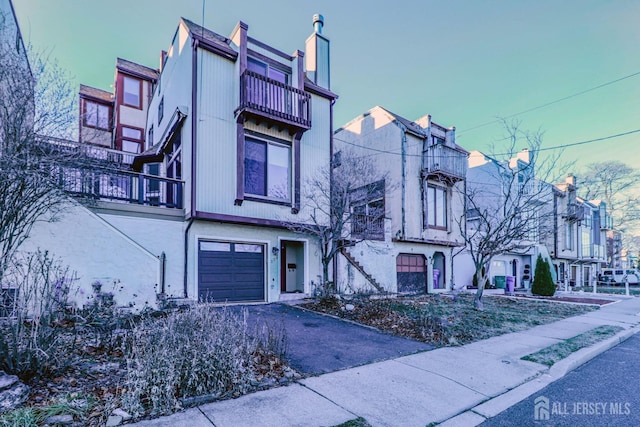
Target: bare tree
{"type": "Point", "coordinates": [614, 183]}
{"type": "Point", "coordinates": [344, 205]}
{"type": "Point", "coordinates": [507, 202]}
{"type": "Point", "coordinates": [36, 103]}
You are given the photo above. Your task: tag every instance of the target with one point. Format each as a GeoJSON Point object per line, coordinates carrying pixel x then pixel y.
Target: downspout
{"type": "Point", "coordinates": [186, 256]}
{"type": "Point", "coordinates": [404, 178]}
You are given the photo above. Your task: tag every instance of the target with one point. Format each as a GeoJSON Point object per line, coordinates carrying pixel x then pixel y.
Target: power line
{"type": "Point", "coordinates": [549, 103]}
{"type": "Point", "coordinates": [556, 147]}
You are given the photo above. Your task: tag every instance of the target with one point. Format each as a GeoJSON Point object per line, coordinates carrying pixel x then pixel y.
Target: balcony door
{"type": "Point", "coordinates": [273, 97]}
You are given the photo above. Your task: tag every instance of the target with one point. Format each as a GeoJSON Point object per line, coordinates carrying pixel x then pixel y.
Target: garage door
{"type": "Point", "coordinates": [411, 273]}
{"type": "Point", "coordinates": [230, 271]}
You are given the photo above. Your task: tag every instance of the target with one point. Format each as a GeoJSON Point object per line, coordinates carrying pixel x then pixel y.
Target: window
{"type": "Point", "coordinates": [568, 243]}
{"type": "Point", "coordinates": [150, 137]}
{"type": "Point", "coordinates": [267, 169]}
{"type": "Point", "coordinates": [132, 93]}
{"type": "Point", "coordinates": [131, 139]}
{"type": "Point", "coordinates": [96, 115]}
{"type": "Point", "coordinates": [267, 71]}
{"type": "Point", "coordinates": [436, 207]}
{"type": "Point", "coordinates": [160, 110]}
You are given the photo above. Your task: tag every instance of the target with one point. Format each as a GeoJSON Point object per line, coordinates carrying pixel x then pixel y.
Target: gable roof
{"type": "Point", "coordinates": [216, 42]}
{"type": "Point", "coordinates": [411, 126]}
{"type": "Point", "coordinates": [136, 69]}
{"type": "Point", "coordinates": [96, 94]}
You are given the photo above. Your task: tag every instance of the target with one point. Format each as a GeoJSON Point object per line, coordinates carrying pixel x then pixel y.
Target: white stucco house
{"type": "Point", "coordinates": [211, 150]}
{"type": "Point", "coordinates": [412, 248]}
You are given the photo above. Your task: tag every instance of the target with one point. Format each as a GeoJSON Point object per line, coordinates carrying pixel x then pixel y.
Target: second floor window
{"type": "Point", "coordinates": [267, 169]}
{"type": "Point", "coordinates": [96, 115]}
{"type": "Point", "coordinates": [132, 92]}
{"type": "Point", "coordinates": [160, 110]}
{"type": "Point", "coordinates": [368, 211]}
{"type": "Point", "coordinates": [436, 207]}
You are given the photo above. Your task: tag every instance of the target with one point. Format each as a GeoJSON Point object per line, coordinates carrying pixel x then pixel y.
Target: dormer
{"type": "Point", "coordinates": [96, 116]}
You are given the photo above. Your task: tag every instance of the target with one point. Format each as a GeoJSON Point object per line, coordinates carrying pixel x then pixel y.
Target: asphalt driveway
{"type": "Point", "coordinates": [319, 344]}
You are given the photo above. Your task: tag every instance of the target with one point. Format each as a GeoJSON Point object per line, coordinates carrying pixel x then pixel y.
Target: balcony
{"type": "Point", "coordinates": [575, 212]}
{"type": "Point", "coordinates": [266, 99]}
{"type": "Point", "coordinates": [442, 160]}
{"type": "Point", "coordinates": [367, 227]}
{"type": "Point", "coordinates": [91, 152]}
{"type": "Point", "coordinates": [122, 186]}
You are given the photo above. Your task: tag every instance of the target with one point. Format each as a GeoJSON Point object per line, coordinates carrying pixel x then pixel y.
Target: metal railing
{"type": "Point", "coordinates": [92, 151]}
{"type": "Point", "coordinates": [442, 159]}
{"type": "Point", "coordinates": [122, 186]}
{"type": "Point", "coordinates": [260, 94]}
{"type": "Point", "coordinates": [367, 226]}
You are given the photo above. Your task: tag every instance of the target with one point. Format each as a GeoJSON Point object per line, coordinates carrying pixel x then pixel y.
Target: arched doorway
{"type": "Point", "coordinates": [439, 271]}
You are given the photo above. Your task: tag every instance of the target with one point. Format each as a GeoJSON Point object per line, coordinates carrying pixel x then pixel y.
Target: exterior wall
{"type": "Point", "coordinates": [270, 237]}
{"type": "Point", "coordinates": [131, 116]}
{"type": "Point", "coordinates": [97, 251]}
{"type": "Point", "coordinates": [157, 236]}
{"type": "Point", "coordinates": [94, 136]}
{"type": "Point", "coordinates": [379, 260]}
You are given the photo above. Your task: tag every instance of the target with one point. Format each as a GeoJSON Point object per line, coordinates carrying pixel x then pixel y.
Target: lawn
{"type": "Point", "coordinates": [617, 290]}
{"type": "Point", "coordinates": [445, 320]}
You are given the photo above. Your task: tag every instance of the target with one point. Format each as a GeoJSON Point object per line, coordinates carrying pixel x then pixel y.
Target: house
{"type": "Point", "coordinates": [220, 142]}
{"type": "Point", "coordinates": [506, 196]}
{"type": "Point", "coordinates": [112, 125]}
{"type": "Point", "coordinates": [577, 243]}
{"type": "Point", "coordinates": [408, 226]}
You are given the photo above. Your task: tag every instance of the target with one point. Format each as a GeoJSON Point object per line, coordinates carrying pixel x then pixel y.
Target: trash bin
{"type": "Point", "coordinates": [499, 281]}
{"type": "Point", "coordinates": [511, 284]}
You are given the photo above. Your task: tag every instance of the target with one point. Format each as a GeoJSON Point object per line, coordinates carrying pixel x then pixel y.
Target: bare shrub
{"type": "Point", "coordinates": [200, 351]}
{"type": "Point", "coordinates": [30, 342]}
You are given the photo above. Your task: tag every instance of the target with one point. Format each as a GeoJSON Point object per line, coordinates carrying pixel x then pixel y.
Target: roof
{"type": "Point", "coordinates": [95, 93]}
{"type": "Point", "coordinates": [137, 69]}
{"type": "Point", "coordinates": [409, 124]}
{"type": "Point", "coordinates": [215, 40]}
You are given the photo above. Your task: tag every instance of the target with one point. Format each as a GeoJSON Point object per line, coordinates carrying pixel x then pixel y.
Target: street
{"type": "Point", "coordinates": [603, 392]}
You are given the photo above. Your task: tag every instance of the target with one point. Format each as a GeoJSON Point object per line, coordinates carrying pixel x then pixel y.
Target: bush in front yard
{"type": "Point", "coordinates": [542, 281]}
{"type": "Point", "coordinates": [200, 351]}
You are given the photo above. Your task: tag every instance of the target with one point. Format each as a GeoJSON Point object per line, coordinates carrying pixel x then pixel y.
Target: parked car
{"type": "Point", "coordinates": [632, 276]}
{"type": "Point", "coordinates": [612, 275]}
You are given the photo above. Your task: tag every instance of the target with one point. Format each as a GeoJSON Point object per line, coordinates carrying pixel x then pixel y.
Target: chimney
{"type": "Point", "coordinates": [163, 58]}
{"type": "Point", "coordinates": [524, 155]}
{"type": "Point", "coordinates": [317, 54]}
{"type": "Point", "coordinates": [571, 180]}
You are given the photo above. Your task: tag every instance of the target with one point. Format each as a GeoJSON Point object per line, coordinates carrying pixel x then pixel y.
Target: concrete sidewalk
{"type": "Point", "coordinates": [456, 386]}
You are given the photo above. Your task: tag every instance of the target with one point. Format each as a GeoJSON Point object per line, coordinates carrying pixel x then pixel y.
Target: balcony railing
{"type": "Point", "coordinates": [268, 98]}
{"type": "Point", "coordinates": [92, 151]}
{"type": "Point", "coordinates": [122, 186]}
{"type": "Point", "coordinates": [441, 159]}
{"type": "Point", "coordinates": [367, 226]}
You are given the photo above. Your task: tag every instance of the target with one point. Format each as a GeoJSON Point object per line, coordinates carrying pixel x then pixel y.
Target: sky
{"type": "Point", "coordinates": [465, 62]}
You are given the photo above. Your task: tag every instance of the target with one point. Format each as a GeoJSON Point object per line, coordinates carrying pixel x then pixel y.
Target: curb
{"type": "Point", "coordinates": [497, 404]}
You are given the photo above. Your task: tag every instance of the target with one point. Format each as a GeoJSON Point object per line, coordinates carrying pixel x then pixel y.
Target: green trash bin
{"type": "Point", "coordinates": [500, 281]}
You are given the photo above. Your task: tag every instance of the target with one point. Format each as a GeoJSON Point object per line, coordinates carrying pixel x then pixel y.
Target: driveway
{"type": "Point", "coordinates": [319, 344]}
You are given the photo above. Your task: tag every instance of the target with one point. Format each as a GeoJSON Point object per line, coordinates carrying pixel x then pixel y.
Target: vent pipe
{"type": "Point", "coordinates": [318, 22]}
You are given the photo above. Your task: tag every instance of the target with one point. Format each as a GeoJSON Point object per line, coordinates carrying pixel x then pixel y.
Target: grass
{"type": "Point", "coordinates": [554, 353]}
{"type": "Point", "coordinates": [617, 290]}
{"type": "Point", "coordinates": [35, 416]}
{"type": "Point", "coordinates": [447, 320]}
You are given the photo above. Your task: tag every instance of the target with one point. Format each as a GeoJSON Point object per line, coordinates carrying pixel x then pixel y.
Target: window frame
{"type": "Point", "coordinates": [124, 93]}
{"type": "Point", "coordinates": [277, 143]}
{"type": "Point", "coordinates": [123, 138]}
{"type": "Point", "coordinates": [428, 207]}
{"type": "Point", "coordinates": [85, 115]}
{"type": "Point", "coordinates": [160, 110]}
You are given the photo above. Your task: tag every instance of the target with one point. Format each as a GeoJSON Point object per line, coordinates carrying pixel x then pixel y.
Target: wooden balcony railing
{"type": "Point", "coordinates": [122, 186]}
{"type": "Point", "coordinates": [441, 159]}
{"type": "Point", "coordinates": [367, 226]}
{"type": "Point", "coordinates": [92, 151]}
{"type": "Point", "coordinates": [273, 100]}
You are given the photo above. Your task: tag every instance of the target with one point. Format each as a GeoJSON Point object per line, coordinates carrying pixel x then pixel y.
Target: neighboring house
{"type": "Point", "coordinates": [409, 222]}
{"type": "Point", "coordinates": [233, 127]}
{"type": "Point", "coordinates": [614, 248]}
{"type": "Point", "coordinates": [492, 185]}
{"type": "Point", "coordinates": [116, 121]}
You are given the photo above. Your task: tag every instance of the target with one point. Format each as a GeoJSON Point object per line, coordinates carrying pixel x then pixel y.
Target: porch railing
{"type": "Point", "coordinates": [367, 226]}
{"type": "Point", "coordinates": [275, 100]}
{"type": "Point", "coordinates": [122, 186]}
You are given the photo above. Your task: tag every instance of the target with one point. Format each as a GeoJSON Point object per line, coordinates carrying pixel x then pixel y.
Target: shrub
{"type": "Point", "coordinates": [30, 338]}
{"type": "Point", "coordinates": [542, 281]}
{"type": "Point", "coordinates": [200, 351]}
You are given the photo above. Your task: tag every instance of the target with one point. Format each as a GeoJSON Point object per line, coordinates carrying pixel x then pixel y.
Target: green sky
{"type": "Point", "coordinates": [465, 62]}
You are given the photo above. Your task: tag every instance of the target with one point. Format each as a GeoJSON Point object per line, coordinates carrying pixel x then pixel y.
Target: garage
{"type": "Point", "coordinates": [228, 271]}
